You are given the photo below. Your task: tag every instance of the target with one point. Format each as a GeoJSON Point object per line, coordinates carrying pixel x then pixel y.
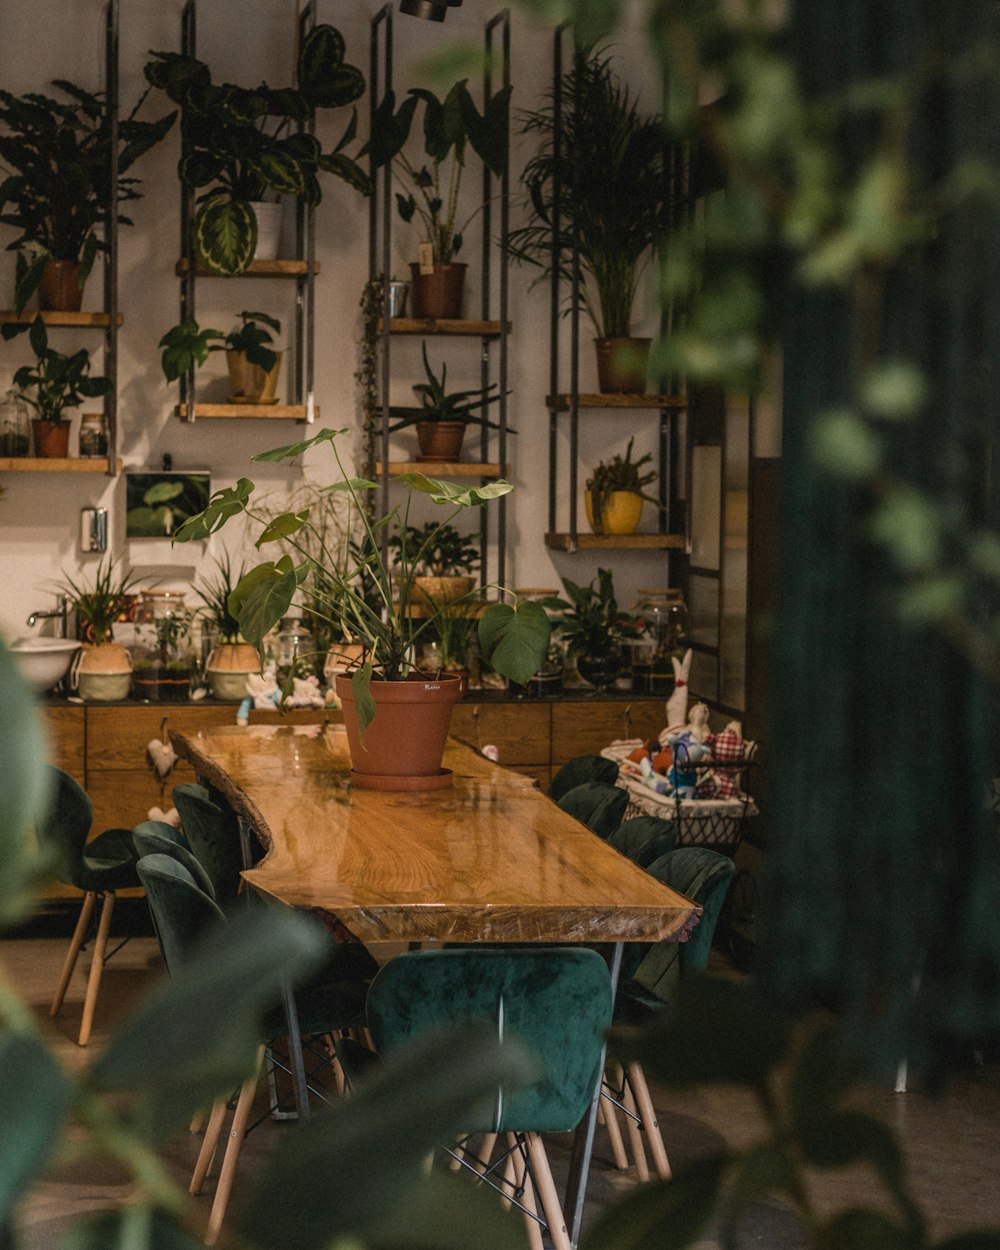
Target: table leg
{"type": "Point", "coordinates": [583, 1141]}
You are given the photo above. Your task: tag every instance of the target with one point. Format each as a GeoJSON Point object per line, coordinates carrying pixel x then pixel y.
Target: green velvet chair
{"type": "Point", "coordinates": [580, 769]}
{"type": "Point", "coordinates": [213, 835]}
{"type": "Point", "coordinates": [99, 868]}
{"type": "Point", "coordinates": [644, 839]}
{"type": "Point", "coordinates": [556, 1000]}
{"type": "Point", "coordinates": [597, 805]}
{"type": "Point", "coordinates": [155, 837]}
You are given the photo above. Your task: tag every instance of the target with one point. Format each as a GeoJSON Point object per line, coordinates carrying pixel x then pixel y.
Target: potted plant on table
{"type": "Point", "coordinates": [253, 363]}
{"type": "Point", "coordinates": [231, 659]}
{"type": "Point", "coordinates": [52, 386]}
{"type": "Point", "coordinates": [102, 668]}
{"type": "Point", "coordinates": [447, 560]}
{"type": "Point", "coordinates": [593, 628]}
{"type": "Point", "coordinates": [432, 196]}
{"type": "Point", "coordinates": [442, 416]}
{"type": "Point", "coordinates": [56, 158]}
{"type": "Point", "coordinates": [397, 720]}
{"type": "Point", "coordinates": [244, 143]}
{"type": "Point", "coordinates": [615, 494]}
{"type": "Point", "coordinates": [598, 180]}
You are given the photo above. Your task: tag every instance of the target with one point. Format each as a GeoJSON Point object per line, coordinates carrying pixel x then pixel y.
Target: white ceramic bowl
{"type": "Point", "coordinates": [44, 661]}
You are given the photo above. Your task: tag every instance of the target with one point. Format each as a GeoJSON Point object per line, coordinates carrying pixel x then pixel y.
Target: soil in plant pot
{"type": "Point", "coordinates": [440, 441]}
{"type": "Point", "coordinates": [58, 290]}
{"type": "Point", "coordinates": [622, 365]}
{"type": "Point", "coordinates": [439, 294]}
{"type": "Point", "coordinates": [51, 438]}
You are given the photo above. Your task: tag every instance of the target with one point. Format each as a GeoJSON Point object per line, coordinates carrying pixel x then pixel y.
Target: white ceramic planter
{"type": "Point", "coordinates": [269, 218]}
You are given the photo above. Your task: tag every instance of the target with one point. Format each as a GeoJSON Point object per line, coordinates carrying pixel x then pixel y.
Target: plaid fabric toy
{"type": "Point", "coordinates": [727, 748]}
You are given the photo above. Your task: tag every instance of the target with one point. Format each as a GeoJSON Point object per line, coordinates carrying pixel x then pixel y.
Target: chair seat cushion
{"type": "Point", "coordinates": [108, 862]}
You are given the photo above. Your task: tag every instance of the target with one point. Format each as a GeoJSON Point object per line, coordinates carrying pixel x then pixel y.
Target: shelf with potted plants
{"type": "Point", "coordinates": [591, 246]}
{"type": "Point", "coordinates": [239, 146]}
{"type": "Point", "coordinates": [68, 159]}
{"type": "Point", "coordinates": [426, 175]}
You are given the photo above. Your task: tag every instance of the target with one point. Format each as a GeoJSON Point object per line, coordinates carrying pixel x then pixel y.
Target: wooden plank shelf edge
{"type": "Point", "coordinates": [430, 325]}
{"type": "Point", "coordinates": [257, 269]}
{"type": "Point", "coordinates": [604, 542]}
{"type": "Point", "coordinates": [82, 320]}
{"type": "Point", "coordinates": [561, 403]}
{"type": "Point", "coordinates": [51, 464]}
{"type": "Point", "coordinates": [248, 412]}
{"type": "Point", "coordinates": [460, 469]}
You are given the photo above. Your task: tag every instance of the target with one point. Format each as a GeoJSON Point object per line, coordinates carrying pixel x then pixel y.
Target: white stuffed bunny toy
{"type": "Point", "coordinates": [678, 702]}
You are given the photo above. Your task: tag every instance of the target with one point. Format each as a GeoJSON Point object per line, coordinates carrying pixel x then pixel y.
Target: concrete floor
{"type": "Point", "coordinates": [952, 1142]}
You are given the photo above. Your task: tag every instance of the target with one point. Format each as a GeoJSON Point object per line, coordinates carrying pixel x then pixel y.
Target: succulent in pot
{"type": "Point", "coordinates": [231, 659]}
{"type": "Point", "coordinates": [253, 363]}
{"type": "Point", "coordinates": [614, 494]}
{"type": "Point", "coordinates": [443, 575]}
{"type": "Point", "coordinates": [432, 198]}
{"type": "Point", "coordinates": [363, 600]}
{"type": "Point", "coordinates": [244, 143]}
{"type": "Point", "coordinates": [102, 668]}
{"type": "Point", "coordinates": [56, 158]}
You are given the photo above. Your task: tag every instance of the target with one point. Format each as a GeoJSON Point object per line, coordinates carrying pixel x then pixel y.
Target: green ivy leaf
{"type": "Point", "coordinates": [908, 524]}
{"type": "Point", "coordinates": [514, 640]}
{"type": "Point", "coordinates": [895, 390]}
{"type": "Point", "coordinates": [760, 1171]}
{"type": "Point", "coordinates": [39, 1095]}
{"type": "Point", "coordinates": [445, 1212]}
{"type": "Point", "coordinates": [844, 445]}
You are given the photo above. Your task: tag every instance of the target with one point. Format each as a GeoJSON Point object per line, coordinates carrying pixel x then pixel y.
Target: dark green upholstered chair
{"type": "Point", "coordinates": [556, 1000]}
{"type": "Point", "coordinates": [98, 868]}
{"type": "Point", "coordinates": [645, 838]}
{"type": "Point", "coordinates": [155, 837]}
{"type": "Point", "coordinates": [580, 769]}
{"type": "Point", "coordinates": [213, 835]}
{"type": "Point", "coordinates": [597, 805]}
{"type": "Point", "coordinates": [648, 983]}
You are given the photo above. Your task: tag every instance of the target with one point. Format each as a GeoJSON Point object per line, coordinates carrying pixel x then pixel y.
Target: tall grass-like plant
{"type": "Point", "coordinates": [99, 607]}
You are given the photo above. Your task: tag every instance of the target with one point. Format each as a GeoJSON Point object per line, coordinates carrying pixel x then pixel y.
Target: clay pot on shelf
{"type": "Point", "coordinates": [440, 441]}
{"type": "Point", "coordinates": [620, 515]}
{"type": "Point", "coordinates": [438, 294]}
{"type": "Point", "coordinates": [51, 438]}
{"type": "Point", "coordinates": [249, 383]}
{"type": "Point", "coordinates": [102, 672]}
{"type": "Point", "coordinates": [227, 668]}
{"type": "Point", "coordinates": [622, 365]}
{"type": "Point", "coordinates": [58, 290]}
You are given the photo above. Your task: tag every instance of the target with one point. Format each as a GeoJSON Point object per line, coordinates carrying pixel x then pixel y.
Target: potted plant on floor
{"type": "Point", "coordinates": [242, 144]}
{"type": "Point", "coordinates": [593, 628]}
{"type": "Point", "coordinates": [54, 385]}
{"type": "Point", "coordinates": [102, 669]}
{"type": "Point", "coordinates": [56, 158]}
{"type": "Point", "coordinates": [614, 494]}
{"type": "Point", "coordinates": [432, 187]}
{"type": "Point", "coordinates": [397, 720]}
{"type": "Point", "coordinates": [231, 660]}
{"type": "Point", "coordinates": [598, 180]}
{"type": "Point", "coordinates": [448, 559]}
{"type": "Point", "coordinates": [441, 417]}
{"type": "Point", "coordinates": [253, 363]}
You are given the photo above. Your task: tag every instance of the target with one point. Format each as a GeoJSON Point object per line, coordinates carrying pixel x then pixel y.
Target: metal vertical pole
{"type": "Point", "coordinates": [554, 276]}
{"type": "Point", "coordinates": [186, 380]}
{"type": "Point", "coordinates": [111, 235]}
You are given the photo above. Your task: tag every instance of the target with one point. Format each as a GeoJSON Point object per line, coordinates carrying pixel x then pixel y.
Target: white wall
{"type": "Point", "coordinates": [39, 514]}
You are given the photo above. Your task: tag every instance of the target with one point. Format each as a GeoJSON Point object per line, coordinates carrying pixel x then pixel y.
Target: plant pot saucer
{"type": "Point", "coordinates": [245, 399]}
{"type": "Point", "coordinates": [393, 781]}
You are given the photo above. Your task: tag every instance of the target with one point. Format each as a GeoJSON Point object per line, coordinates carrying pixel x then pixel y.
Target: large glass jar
{"type": "Point", "coordinates": [163, 657]}
{"type": "Point", "coordinates": [664, 618]}
{"type": "Point", "coordinates": [295, 650]}
{"type": "Point", "coordinates": [15, 426]}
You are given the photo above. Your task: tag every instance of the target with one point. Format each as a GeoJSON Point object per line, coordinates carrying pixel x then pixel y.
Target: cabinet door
{"type": "Point", "coordinates": [122, 799]}
{"type": "Point", "coordinates": [117, 736]}
{"type": "Point", "coordinates": [65, 727]}
{"type": "Point", "coordinates": [520, 731]}
{"type": "Point", "coordinates": [585, 728]}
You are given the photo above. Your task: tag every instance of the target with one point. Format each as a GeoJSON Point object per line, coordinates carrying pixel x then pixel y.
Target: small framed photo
{"type": "Point", "coordinates": [157, 502]}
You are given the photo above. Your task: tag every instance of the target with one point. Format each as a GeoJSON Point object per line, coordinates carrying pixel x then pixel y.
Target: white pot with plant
{"type": "Point", "coordinates": [102, 669]}
{"type": "Point", "coordinates": [232, 659]}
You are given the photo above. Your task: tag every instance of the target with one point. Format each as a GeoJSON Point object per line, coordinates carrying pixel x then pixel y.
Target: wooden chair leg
{"type": "Point", "coordinates": [96, 967]}
{"type": "Point", "coordinates": [609, 1114]}
{"type": "Point", "coordinates": [237, 1131]}
{"type": "Point", "coordinates": [510, 1178]}
{"type": "Point", "coordinates": [531, 1223]}
{"type": "Point", "coordinates": [208, 1146]}
{"type": "Point", "coordinates": [637, 1080]}
{"type": "Point", "coordinates": [634, 1131]}
{"type": "Point", "coordinates": [76, 941]}
{"type": "Point", "coordinates": [197, 1120]}
{"type": "Point", "coordinates": [554, 1219]}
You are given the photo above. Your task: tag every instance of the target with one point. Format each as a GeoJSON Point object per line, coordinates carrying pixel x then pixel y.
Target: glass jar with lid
{"type": "Point", "coordinates": [93, 436]}
{"type": "Point", "coordinates": [163, 656]}
{"type": "Point", "coordinates": [664, 618]}
{"type": "Point", "coordinates": [295, 650]}
{"type": "Point", "coordinates": [15, 425]}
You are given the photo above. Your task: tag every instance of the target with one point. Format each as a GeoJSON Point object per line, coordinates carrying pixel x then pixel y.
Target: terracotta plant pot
{"type": "Point", "coordinates": [437, 592]}
{"type": "Point", "coordinates": [620, 514]}
{"type": "Point", "coordinates": [622, 365]}
{"type": "Point", "coordinates": [102, 673]}
{"type": "Point", "coordinates": [440, 441]}
{"type": "Point", "coordinates": [58, 290]}
{"type": "Point", "coordinates": [228, 667]}
{"type": "Point", "coordinates": [249, 383]}
{"type": "Point", "coordinates": [51, 438]}
{"type": "Point", "coordinates": [404, 744]}
{"type": "Point", "coordinates": [438, 295]}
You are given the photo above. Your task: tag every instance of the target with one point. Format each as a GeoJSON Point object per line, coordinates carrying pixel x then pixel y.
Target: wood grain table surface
{"type": "Point", "coordinates": [488, 859]}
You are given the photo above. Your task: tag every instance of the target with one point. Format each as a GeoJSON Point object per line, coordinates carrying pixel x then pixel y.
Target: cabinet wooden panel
{"type": "Point", "coordinates": [519, 730]}
{"type": "Point", "coordinates": [117, 736]}
{"type": "Point", "coordinates": [65, 727]}
{"type": "Point", "coordinates": [122, 798]}
{"type": "Point", "coordinates": [584, 728]}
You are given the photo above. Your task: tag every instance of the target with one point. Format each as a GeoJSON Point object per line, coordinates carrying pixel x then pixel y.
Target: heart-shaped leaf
{"type": "Point", "coordinates": [514, 640]}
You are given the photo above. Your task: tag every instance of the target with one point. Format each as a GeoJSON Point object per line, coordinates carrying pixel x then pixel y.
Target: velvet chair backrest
{"type": "Point", "coordinates": [155, 837]}
{"type": "Point", "coordinates": [181, 911]}
{"type": "Point", "coordinates": [596, 804]}
{"type": "Point", "coordinates": [212, 832]}
{"type": "Point", "coordinates": [580, 769]}
{"type": "Point", "coordinates": [645, 838]}
{"type": "Point", "coordinates": [63, 830]}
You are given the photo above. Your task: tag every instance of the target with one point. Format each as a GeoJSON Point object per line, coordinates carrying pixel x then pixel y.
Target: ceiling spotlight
{"type": "Point", "coordinates": [429, 10]}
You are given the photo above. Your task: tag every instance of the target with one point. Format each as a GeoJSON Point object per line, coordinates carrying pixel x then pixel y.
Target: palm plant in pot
{"type": "Point", "coordinates": [231, 660]}
{"type": "Point", "coordinates": [253, 362]}
{"type": "Point", "coordinates": [442, 416]}
{"type": "Point", "coordinates": [102, 669]}
{"type": "Point", "coordinates": [52, 386]}
{"type": "Point", "coordinates": [593, 627]}
{"type": "Point", "coordinates": [56, 158]}
{"type": "Point", "coordinates": [599, 181]}
{"type": "Point", "coordinates": [396, 718]}
{"type": "Point", "coordinates": [242, 144]}
{"type": "Point", "coordinates": [614, 494]}
{"type": "Point", "coordinates": [451, 125]}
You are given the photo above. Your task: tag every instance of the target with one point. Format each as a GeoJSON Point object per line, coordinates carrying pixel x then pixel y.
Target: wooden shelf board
{"type": "Point", "coordinates": [42, 464]}
{"type": "Point", "coordinates": [428, 325]}
{"type": "Point", "coordinates": [601, 542]}
{"type": "Point", "coordinates": [561, 403]}
{"type": "Point", "coordinates": [252, 412]}
{"type": "Point", "coordinates": [80, 319]}
{"type": "Point", "coordinates": [461, 469]}
{"type": "Point", "coordinates": [257, 269]}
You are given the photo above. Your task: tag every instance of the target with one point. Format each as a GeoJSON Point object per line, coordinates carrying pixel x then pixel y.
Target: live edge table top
{"type": "Point", "coordinates": [489, 859]}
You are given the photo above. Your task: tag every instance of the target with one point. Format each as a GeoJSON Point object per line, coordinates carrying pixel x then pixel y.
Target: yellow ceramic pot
{"type": "Point", "coordinates": [249, 383]}
{"type": "Point", "coordinates": [621, 513]}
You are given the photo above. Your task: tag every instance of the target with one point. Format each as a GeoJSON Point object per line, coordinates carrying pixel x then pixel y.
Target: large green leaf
{"type": "Point", "coordinates": [225, 235]}
{"type": "Point", "coordinates": [861, 1229]}
{"type": "Point", "coordinates": [291, 450]}
{"type": "Point", "coordinates": [324, 79]}
{"type": "Point", "coordinates": [443, 1213]}
{"type": "Point", "coordinates": [38, 1095]}
{"type": "Point", "coordinates": [761, 1171]}
{"type": "Point", "coordinates": [222, 507]}
{"type": "Point", "coordinates": [489, 132]}
{"type": "Point", "coordinates": [370, 1148]}
{"type": "Point", "coordinates": [666, 1215]}
{"type": "Point", "coordinates": [262, 597]}
{"type": "Point", "coordinates": [283, 526]}
{"type": "Point", "coordinates": [364, 704]}
{"type": "Point", "coordinates": [452, 493]}
{"type": "Point", "coordinates": [514, 640]}
{"type": "Point", "coordinates": [137, 1227]}
{"type": "Point", "coordinates": [196, 1035]}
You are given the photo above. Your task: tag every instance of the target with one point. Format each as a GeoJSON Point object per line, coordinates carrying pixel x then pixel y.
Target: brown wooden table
{"type": "Point", "coordinates": [489, 859]}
